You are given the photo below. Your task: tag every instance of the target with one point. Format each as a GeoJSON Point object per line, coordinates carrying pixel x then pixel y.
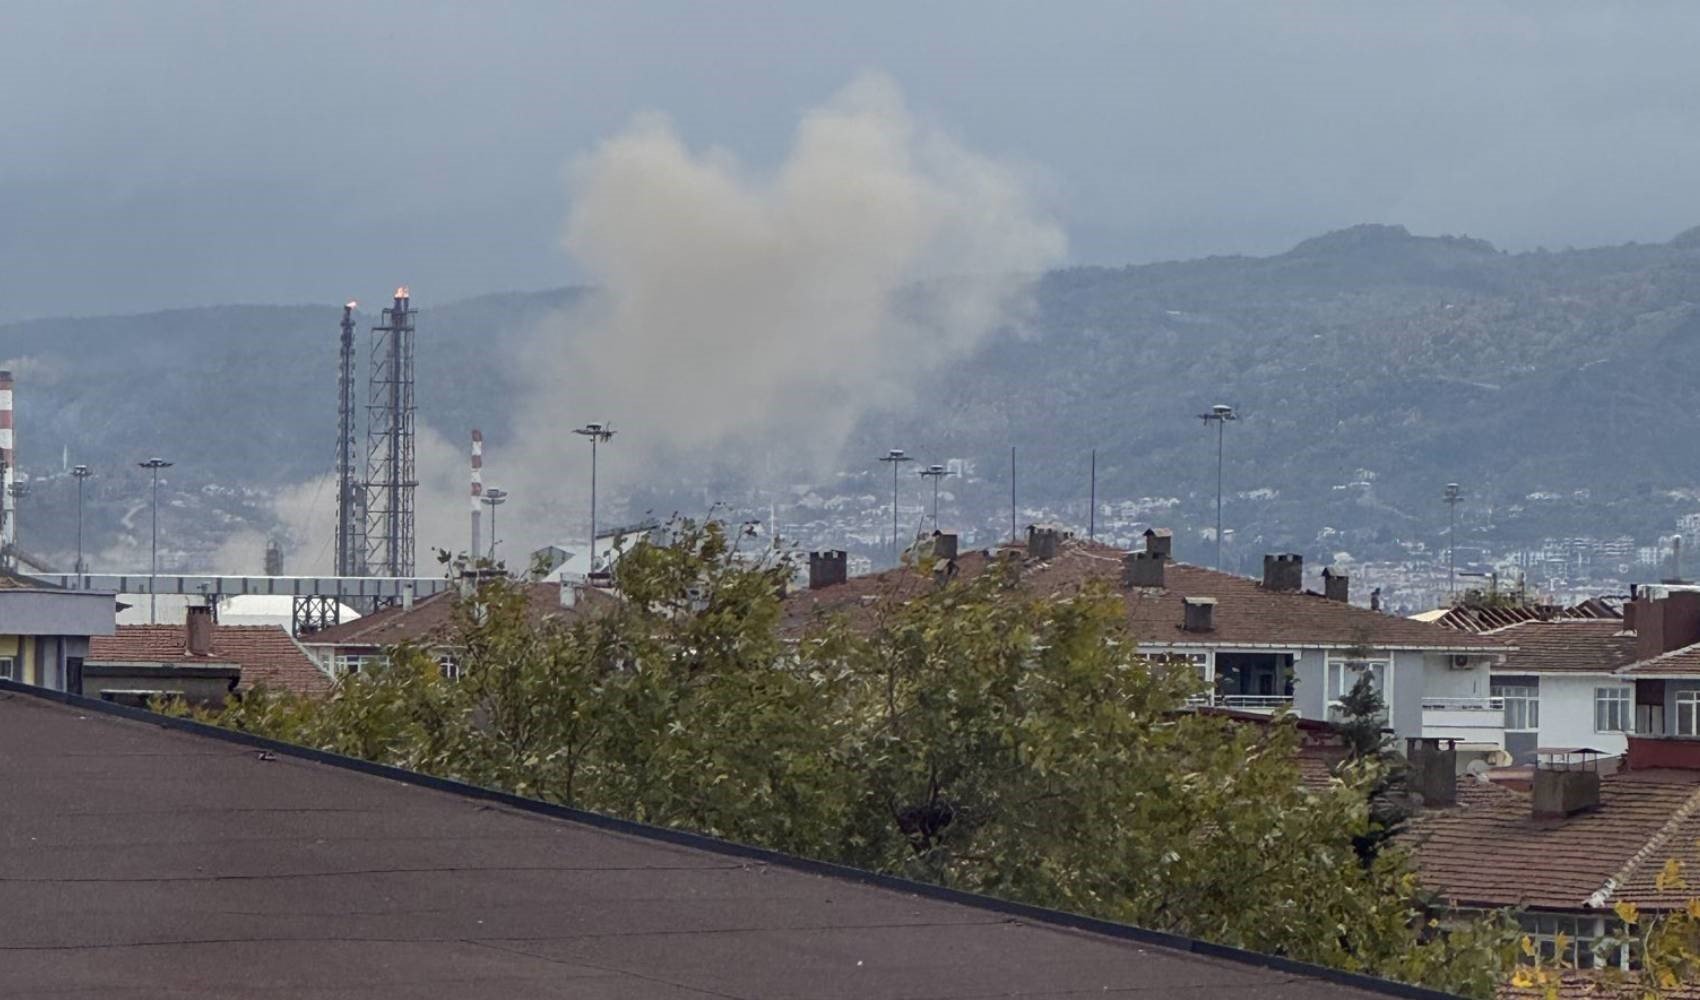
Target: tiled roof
{"type": "Point", "coordinates": [1684, 662]}
{"type": "Point", "coordinates": [1489, 850]}
{"type": "Point", "coordinates": [1566, 646]}
{"type": "Point", "coordinates": [266, 653]}
{"type": "Point", "coordinates": [431, 618]}
{"type": "Point", "coordinates": [1246, 613]}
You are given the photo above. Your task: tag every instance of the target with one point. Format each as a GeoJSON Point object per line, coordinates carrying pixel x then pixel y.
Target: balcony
{"type": "Point", "coordinates": [1263, 704]}
{"type": "Point", "coordinates": [1478, 721]}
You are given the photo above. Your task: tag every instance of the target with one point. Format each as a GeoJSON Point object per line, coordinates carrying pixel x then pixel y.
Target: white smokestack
{"type": "Point", "coordinates": [8, 458]}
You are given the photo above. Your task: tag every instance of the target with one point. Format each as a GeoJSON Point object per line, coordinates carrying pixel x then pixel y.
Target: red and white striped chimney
{"type": "Point", "coordinates": [477, 486]}
{"type": "Point", "coordinates": [8, 503]}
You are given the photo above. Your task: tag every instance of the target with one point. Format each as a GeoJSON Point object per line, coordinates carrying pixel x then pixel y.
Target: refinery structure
{"type": "Point", "coordinates": [375, 539]}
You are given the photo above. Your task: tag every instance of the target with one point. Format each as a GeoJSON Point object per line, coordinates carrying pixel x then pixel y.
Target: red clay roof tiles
{"type": "Point", "coordinates": [266, 653]}
{"type": "Point", "coordinates": [1566, 646]}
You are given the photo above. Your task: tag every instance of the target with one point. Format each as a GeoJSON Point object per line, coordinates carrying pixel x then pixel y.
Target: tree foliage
{"type": "Point", "coordinates": [966, 732]}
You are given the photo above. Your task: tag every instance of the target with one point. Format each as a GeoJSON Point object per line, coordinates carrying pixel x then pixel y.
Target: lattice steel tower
{"type": "Point", "coordinates": [390, 476]}
{"type": "Point", "coordinates": [350, 495]}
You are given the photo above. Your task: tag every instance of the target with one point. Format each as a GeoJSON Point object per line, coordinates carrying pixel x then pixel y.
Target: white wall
{"type": "Point", "coordinates": [1567, 713]}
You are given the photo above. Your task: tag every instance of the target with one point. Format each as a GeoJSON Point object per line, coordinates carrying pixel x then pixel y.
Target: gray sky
{"type": "Point", "coordinates": [162, 154]}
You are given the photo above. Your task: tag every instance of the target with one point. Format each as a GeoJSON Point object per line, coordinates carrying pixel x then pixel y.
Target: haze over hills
{"type": "Point", "coordinates": [1419, 360]}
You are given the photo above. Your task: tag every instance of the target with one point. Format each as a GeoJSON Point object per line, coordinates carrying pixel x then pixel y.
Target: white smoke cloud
{"type": "Point", "coordinates": [739, 308]}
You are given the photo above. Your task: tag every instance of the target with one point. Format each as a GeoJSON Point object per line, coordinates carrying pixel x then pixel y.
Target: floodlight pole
{"type": "Point", "coordinates": [598, 434]}
{"type": "Point", "coordinates": [896, 457]}
{"type": "Point", "coordinates": [153, 465]}
{"type": "Point", "coordinates": [1453, 496]}
{"type": "Point", "coordinates": [82, 472]}
{"type": "Point", "coordinates": [1219, 415]}
{"type": "Point", "coordinates": [935, 473]}
{"type": "Point", "coordinates": [493, 498]}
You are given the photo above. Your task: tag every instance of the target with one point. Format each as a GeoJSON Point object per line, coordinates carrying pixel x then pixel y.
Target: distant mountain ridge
{"type": "Point", "coordinates": [1421, 359]}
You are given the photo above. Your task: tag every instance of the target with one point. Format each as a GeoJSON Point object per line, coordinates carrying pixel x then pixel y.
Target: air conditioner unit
{"type": "Point", "coordinates": [1461, 662]}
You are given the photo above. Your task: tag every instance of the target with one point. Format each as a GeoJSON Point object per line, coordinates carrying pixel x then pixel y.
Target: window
{"type": "Point", "coordinates": [358, 663]}
{"type": "Point", "coordinates": [1613, 709]}
{"type": "Point", "coordinates": [1584, 944]}
{"type": "Point", "coordinates": [1343, 674]}
{"type": "Point", "coordinates": [7, 670]}
{"type": "Point", "coordinates": [448, 666]}
{"type": "Point", "coordinates": [1522, 706]}
{"type": "Point", "coordinates": [1688, 713]}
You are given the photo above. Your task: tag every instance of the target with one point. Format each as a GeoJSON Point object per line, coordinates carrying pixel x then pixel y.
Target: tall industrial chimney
{"type": "Point", "coordinates": [350, 498]}
{"type": "Point", "coordinates": [477, 487]}
{"type": "Point", "coordinates": [8, 463]}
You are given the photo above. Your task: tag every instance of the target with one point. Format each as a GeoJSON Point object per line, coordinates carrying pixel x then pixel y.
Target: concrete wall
{"type": "Point", "coordinates": [1409, 683]}
{"type": "Point", "coordinates": [1310, 684]}
{"type": "Point", "coordinates": [48, 612]}
{"type": "Point", "coordinates": [1442, 680]}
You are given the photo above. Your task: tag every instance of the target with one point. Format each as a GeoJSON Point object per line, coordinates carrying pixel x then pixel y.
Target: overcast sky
{"type": "Point", "coordinates": [162, 154]}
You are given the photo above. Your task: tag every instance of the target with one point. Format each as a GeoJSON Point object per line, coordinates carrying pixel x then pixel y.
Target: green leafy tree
{"type": "Point", "coordinates": [968, 732]}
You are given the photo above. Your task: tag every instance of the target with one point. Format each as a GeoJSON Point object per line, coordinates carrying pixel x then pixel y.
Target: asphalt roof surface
{"type": "Point", "coordinates": [142, 861]}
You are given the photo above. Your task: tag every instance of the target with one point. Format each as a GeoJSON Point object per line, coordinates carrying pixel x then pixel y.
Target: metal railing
{"type": "Point", "coordinates": [1464, 704]}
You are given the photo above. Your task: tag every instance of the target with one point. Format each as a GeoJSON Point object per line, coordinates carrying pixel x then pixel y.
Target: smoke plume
{"type": "Point", "coordinates": [737, 308]}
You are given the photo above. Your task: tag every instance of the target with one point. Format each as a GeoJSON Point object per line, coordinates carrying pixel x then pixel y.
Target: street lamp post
{"type": "Point", "coordinates": [493, 498]}
{"type": "Point", "coordinates": [935, 473]}
{"type": "Point", "coordinates": [1453, 496]}
{"type": "Point", "coordinates": [1219, 415]}
{"type": "Point", "coordinates": [896, 457]}
{"type": "Point", "coordinates": [598, 434]}
{"type": "Point", "coordinates": [153, 465]}
{"type": "Point", "coordinates": [82, 472]}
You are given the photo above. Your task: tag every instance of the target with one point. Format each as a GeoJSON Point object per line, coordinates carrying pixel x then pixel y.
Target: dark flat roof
{"type": "Point", "coordinates": [142, 860]}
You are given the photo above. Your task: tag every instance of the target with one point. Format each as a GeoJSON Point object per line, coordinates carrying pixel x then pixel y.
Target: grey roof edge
{"type": "Point", "coordinates": [698, 841]}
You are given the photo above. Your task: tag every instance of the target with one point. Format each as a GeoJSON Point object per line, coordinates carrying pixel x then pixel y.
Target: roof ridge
{"type": "Point", "coordinates": [1655, 843]}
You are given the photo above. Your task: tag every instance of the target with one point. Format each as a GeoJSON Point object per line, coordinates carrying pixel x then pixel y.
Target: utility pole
{"type": "Point", "coordinates": [153, 465]}
{"type": "Point", "coordinates": [1452, 498]}
{"type": "Point", "coordinates": [935, 473]}
{"type": "Point", "coordinates": [81, 472]}
{"type": "Point", "coordinates": [1012, 536]}
{"type": "Point", "coordinates": [1219, 415]}
{"type": "Point", "coordinates": [1092, 502]}
{"type": "Point", "coordinates": [896, 457]}
{"type": "Point", "coordinates": [598, 434]}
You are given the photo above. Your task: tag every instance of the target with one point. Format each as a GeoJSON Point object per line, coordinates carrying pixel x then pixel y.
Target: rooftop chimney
{"type": "Point", "coordinates": [944, 546]}
{"type": "Point", "coordinates": [1336, 586]}
{"type": "Point", "coordinates": [1143, 569]}
{"type": "Point", "coordinates": [1433, 772]}
{"type": "Point", "coordinates": [1566, 782]}
{"type": "Point", "coordinates": [198, 631]}
{"type": "Point", "coordinates": [828, 568]}
{"type": "Point", "coordinates": [1375, 599]}
{"type": "Point", "coordinates": [1043, 543]}
{"type": "Point", "coordinates": [1284, 572]}
{"type": "Point", "coordinates": [569, 594]}
{"type": "Point", "coordinates": [1200, 614]}
{"type": "Point", "coordinates": [1671, 622]}
{"type": "Point", "coordinates": [1160, 540]}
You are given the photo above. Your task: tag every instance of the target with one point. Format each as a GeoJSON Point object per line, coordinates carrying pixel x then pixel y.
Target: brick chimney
{"type": "Point", "coordinates": [1336, 586]}
{"type": "Point", "coordinates": [1671, 622]}
{"type": "Point", "coordinates": [1143, 569]}
{"type": "Point", "coordinates": [1284, 572]}
{"type": "Point", "coordinates": [1433, 774]}
{"type": "Point", "coordinates": [828, 568]}
{"type": "Point", "coordinates": [1160, 540]}
{"type": "Point", "coordinates": [198, 631]}
{"type": "Point", "coordinates": [1199, 614]}
{"type": "Point", "coordinates": [1566, 783]}
{"type": "Point", "coordinates": [1043, 543]}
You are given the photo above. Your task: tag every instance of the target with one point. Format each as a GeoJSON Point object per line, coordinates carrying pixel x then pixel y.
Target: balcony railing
{"type": "Point", "coordinates": [1270, 703]}
{"type": "Point", "coordinates": [1467, 720]}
